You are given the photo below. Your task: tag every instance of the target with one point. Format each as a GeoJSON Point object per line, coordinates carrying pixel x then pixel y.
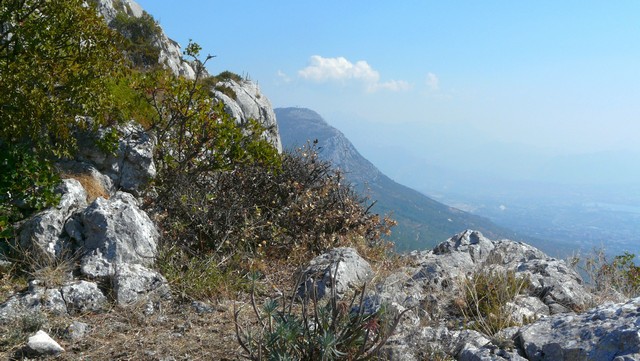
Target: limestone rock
{"type": "Point", "coordinates": [131, 166]}
{"type": "Point", "coordinates": [43, 233]}
{"type": "Point", "coordinates": [608, 332]}
{"type": "Point", "coordinates": [133, 282]}
{"type": "Point", "coordinates": [116, 232]}
{"type": "Point", "coordinates": [41, 344]}
{"type": "Point", "coordinates": [77, 330]}
{"type": "Point", "coordinates": [170, 53]}
{"type": "Point", "coordinates": [339, 270]}
{"type": "Point", "coordinates": [250, 103]}
{"type": "Point", "coordinates": [83, 296]}
{"type": "Point", "coordinates": [431, 284]}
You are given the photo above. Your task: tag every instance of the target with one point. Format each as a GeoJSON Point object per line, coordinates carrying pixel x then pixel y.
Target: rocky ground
{"type": "Point", "coordinates": [94, 293]}
{"type": "Point", "coordinates": [107, 302]}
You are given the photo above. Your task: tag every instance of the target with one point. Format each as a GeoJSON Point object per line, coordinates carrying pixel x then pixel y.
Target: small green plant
{"type": "Point", "coordinates": [333, 330]}
{"type": "Point", "coordinates": [486, 297]}
{"type": "Point", "coordinates": [228, 75]}
{"type": "Point", "coordinates": [200, 277]}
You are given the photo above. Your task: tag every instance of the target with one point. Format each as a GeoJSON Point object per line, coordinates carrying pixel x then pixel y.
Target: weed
{"type": "Point", "coordinates": [610, 279]}
{"type": "Point", "coordinates": [330, 330]}
{"type": "Point", "coordinates": [486, 297]}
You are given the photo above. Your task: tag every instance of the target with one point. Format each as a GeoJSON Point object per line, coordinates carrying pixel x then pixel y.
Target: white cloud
{"type": "Point", "coordinates": [340, 69]}
{"type": "Point", "coordinates": [433, 82]}
{"type": "Point", "coordinates": [392, 85]}
{"type": "Point", "coordinates": [283, 76]}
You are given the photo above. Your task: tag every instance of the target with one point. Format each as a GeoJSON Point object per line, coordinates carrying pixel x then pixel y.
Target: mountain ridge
{"type": "Point", "coordinates": [422, 221]}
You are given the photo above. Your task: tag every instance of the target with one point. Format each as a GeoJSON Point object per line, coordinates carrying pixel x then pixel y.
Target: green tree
{"type": "Point", "coordinates": [56, 58]}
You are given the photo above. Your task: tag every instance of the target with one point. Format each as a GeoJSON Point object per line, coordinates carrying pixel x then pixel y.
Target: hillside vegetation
{"type": "Point", "coordinates": [235, 220]}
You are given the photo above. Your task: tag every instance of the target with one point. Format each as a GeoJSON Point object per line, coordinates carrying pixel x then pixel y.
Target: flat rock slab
{"type": "Point", "coordinates": [609, 332]}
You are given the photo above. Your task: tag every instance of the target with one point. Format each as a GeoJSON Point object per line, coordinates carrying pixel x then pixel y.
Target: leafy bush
{"type": "Point", "coordinates": [228, 75]}
{"type": "Point", "coordinates": [226, 195]}
{"type": "Point", "coordinates": [140, 36]}
{"type": "Point", "coordinates": [613, 278]}
{"type": "Point", "coordinates": [335, 330]}
{"type": "Point", "coordinates": [55, 58]}
{"type": "Point", "coordinates": [299, 209]}
{"type": "Point", "coordinates": [27, 185]}
{"type": "Point", "coordinates": [486, 297]}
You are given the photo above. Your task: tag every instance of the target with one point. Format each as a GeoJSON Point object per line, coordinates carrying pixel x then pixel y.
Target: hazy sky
{"type": "Point", "coordinates": [558, 76]}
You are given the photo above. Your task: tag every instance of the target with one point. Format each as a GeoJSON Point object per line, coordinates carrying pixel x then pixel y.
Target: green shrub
{"type": "Point", "coordinates": [56, 58]}
{"type": "Point", "coordinates": [486, 297]}
{"type": "Point", "coordinates": [299, 209]}
{"type": "Point", "coordinates": [200, 277]}
{"type": "Point", "coordinates": [334, 330]}
{"type": "Point", "coordinates": [610, 278]}
{"type": "Point", "coordinates": [140, 36]}
{"type": "Point", "coordinates": [27, 184]}
{"type": "Point", "coordinates": [228, 75]}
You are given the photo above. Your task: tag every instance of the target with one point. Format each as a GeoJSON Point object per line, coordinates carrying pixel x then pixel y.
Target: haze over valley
{"type": "Point", "coordinates": [523, 113]}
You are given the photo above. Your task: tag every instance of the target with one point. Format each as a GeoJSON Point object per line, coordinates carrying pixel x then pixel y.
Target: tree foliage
{"type": "Point", "coordinates": [140, 37]}
{"type": "Point", "coordinates": [55, 59]}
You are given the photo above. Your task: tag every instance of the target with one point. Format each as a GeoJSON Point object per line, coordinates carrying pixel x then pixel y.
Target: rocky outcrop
{"type": "Point", "coordinates": [250, 103]}
{"type": "Point", "coordinates": [112, 240]}
{"type": "Point", "coordinates": [440, 271]}
{"type": "Point", "coordinates": [170, 54]}
{"type": "Point", "coordinates": [116, 232]}
{"type": "Point", "coordinates": [339, 270]}
{"type": "Point", "coordinates": [42, 234]}
{"type": "Point", "coordinates": [433, 284]}
{"type": "Point", "coordinates": [129, 167]}
{"type": "Point", "coordinates": [73, 298]}
{"type": "Point", "coordinates": [609, 332]}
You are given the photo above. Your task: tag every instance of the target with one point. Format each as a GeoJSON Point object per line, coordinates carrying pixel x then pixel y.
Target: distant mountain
{"type": "Point", "coordinates": [422, 222]}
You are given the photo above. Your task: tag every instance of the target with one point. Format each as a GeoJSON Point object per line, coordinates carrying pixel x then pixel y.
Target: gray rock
{"type": "Point", "coordinates": [41, 344]}
{"type": "Point", "coordinates": [77, 330]}
{"type": "Point", "coordinates": [133, 283]}
{"type": "Point", "coordinates": [431, 284]}
{"type": "Point", "coordinates": [116, 232]}
{"type": "Point", "coordinates": [250, 103]}
{"type": "Point", "coordinates": [32, 303]}
{"type": "Point", "coordinates": [201, 307]}
{"type": "Point", "coordinates": [526, 309]}
{"type": "Point", "coordinates": [5, 265]}
{"type": "Point", "coordinates": [608, 332]}
{"type": "Point", "coordinates": [43, 233]}
{"type": "Point", "coordinates": [83, 296]}
{"type": "Point", "coordinates": [339, 270]}
{"type": "Point", "coordinates": [170, 53]}
{"type": "Point", "coordinates": [131, 166]}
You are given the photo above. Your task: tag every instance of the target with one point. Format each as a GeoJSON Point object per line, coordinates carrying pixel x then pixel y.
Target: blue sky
{"type": "Point", "coordinates": [552, 77]}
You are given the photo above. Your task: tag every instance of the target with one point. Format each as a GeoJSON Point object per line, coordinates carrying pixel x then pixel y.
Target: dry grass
{"type": "Point", "coordinates": [610, 279]}
{"type": "Point", "coordinates": [175, 331]}
{"type": "Point", "coordinates": [93, 186]}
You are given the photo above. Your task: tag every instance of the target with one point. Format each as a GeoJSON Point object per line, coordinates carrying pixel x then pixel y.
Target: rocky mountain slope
{"type": "Point", "coordinates": [422, 222]}
{"type": "Point", "coordinates": [109, 302]}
